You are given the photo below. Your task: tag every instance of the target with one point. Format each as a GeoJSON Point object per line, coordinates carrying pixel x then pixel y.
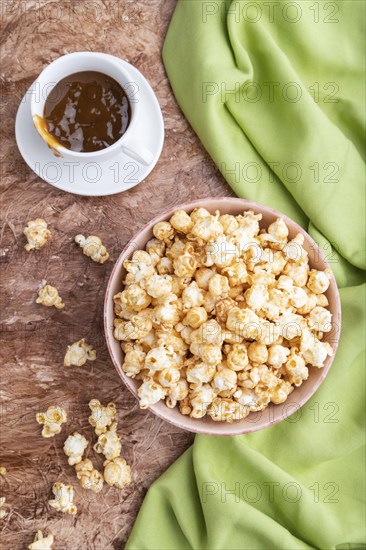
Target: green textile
{"type": "Point", "coordinates": [275, 92]}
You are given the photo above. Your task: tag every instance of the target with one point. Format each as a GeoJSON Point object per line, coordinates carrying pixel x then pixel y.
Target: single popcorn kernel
{"type": "Point", "coordinates": [109, 443]}
{"type": "Point", "coordinates": [164, 232]}
{"type": "Point", "coordinates": [181, 221]}
{"type": "Point", "coordinates": [93, 247]}
{"type": "Point", "coordinates": [52, 420]}
{"type": "Point", "coordinates": [2, 471]}
{"type": "Point", "coordinates": [74, 448]}
{"type": "Point", "coordinates": [88, 476]}
{"type": "Point", "coordinates": [117, 473]}
{"type": "Point", "coordinates": [37, 234]}
{"type": "Point", "coordinates": [79, 353]}
{"type": "Point", "coordinates": [41, 542]}
{"type": "Point", "coordinates": [48, 296]}
{"type": "Point", "coordinates": [63, 501]}
{"type": "Point", "coordinates": [3, 512]}
{"type": "Point", "coordinates": [101, 417]}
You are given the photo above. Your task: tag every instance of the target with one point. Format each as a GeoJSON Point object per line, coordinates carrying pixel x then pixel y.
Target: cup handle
{"type": "Point", "coordinates": [136, 150]}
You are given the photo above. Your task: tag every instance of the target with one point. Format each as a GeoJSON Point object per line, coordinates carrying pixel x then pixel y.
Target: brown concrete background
{"type": "Point", "coordinates": [33, 338]}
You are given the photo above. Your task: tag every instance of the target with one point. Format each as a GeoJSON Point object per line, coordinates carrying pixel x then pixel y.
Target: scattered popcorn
{"type": "Point", "coordinates": [2, 471]}
{"type": "Point", "coordinates": [37, 234]}
{"type": "Point", "coordinates": [3, 512]}
{"type": "Point", "coordinates": [79, 353]}
{"type": "Point", "coordinates": [93, 247]}
{"type": "Point", "coordinates": [117, 472]}
{"type": "Point", "coordinates": [89, 477]}
{"type": "Point", "coordinates": [109, 443]}
{"type": "Point", "coordinates": [74, 448]}
{"type": "Point", "coordinates": [101, 417]}
{"type": "Point", "coordinates": [219, 316]}
{"type": "Point", "coordinates": [48, 296]}
{"type": "Point", "coordinates": [41, 542]}
{"type": "Point", "coordinates": [63, 501]}
{"type": "Point", "coordinates": [52, 420]}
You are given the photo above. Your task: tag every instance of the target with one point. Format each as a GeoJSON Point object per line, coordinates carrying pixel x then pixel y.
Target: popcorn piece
{"type": "Point", "coordinates": [168, 377]}
{"type": "Point", "coordinates": [134, 360]}
{"type": "Point", "coordinates": [195, 317]}
{"type": "Point", "coordinates": [101, 417]}
{"type": "Point", "coordinates": [158, 286]}
{"type": "Point", "coordinates": [202, 276]}
{"type": "Point", "coordinates": [63, 501]}
{"type": "Point", "coordinates": [279, 393]}
{"type": "Point", "coordinates": [177, 392]}
{"type": "Point", "coordinates": [150, 393]}
{"type": "Point", "coordinates": [134, 296]}
{"type": "Point", "coordinates": [224, 380]}
{"type": "Point", "coordinates": [135, 329]}
{"type": "Point", "coordinates": [181, 221]}
{"type": "Point", "coordinates": [200, 373]}
{"type": "Point", "coordinates": [296, 371]}
{"type": "Point", "coordinates": [117, 473]}
{"type": "Point", "coordinates": [160, 358]}
{"type": "Point", "coordinates": [277, 355]}
{"type": "Point", "coordinates": [278, 230]}
{"type": "Point", "coordinates": [93, 247]}
{"type": "Point", "coordinates": [257, 352]}
{"type": "Point", "coordinates": [319, 281]}
{"type": "Point", "coordinates": [109, 443]}
{"type": "Point", "coordinates": [201, 398]}
{"type": "Point", "coordinates": [2, 471]}
{"type": "Point", "coordinates": [320, 319]}
{"type": "Point", "coordinates": [316, 355]}
{"type": "Point", "coordinates": [89, 477]}
{"type": "Point", "coordinates": [74, 448]}
{"type": "Point", "coordinates": [48, 296]}
{"type": "Point", "coordinates": [37, 234]}
{"type": "Point", "coordinates": [237, 358]}
{"type": "Point", "coordinates": [3, 513]}
{"type": "Point", "coordinates": [41, 542]}
{"type": "Point", "coordinates": [164, 231]}
{"type": "Point", "coordinates": [52, 420]}
{"type": "Point", "coordinates": [192, 296]}
{"type": "Point", "coordinates": [218, 285]}
{"type": "Point", "coordinates": [79, 353]}
{"type": "Point", "coordinates": [227, 410]}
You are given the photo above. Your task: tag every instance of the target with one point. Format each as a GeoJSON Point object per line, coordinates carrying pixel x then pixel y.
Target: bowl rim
{"type": "Point", "coordinates": [199, 428]}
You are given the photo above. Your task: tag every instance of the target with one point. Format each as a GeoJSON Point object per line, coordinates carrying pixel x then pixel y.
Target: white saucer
{"type": "Point", "coordinates": [89, 178]}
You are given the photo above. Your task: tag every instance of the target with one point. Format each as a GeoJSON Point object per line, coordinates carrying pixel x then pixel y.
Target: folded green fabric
{"type": "Point", "coordinates": [275, 92]}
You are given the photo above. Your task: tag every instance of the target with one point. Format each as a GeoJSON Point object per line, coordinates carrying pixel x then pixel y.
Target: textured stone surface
{"type": "Point", "coordinates": [34, 338]}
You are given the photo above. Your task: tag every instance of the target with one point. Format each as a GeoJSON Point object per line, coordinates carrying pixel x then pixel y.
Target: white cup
{"type": "Point", "coordinates": [90, 61]}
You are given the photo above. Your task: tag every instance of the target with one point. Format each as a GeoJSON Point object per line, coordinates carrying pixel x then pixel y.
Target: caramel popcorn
{"type": "Point", "coordinates": [93, 247]}
{"type": "Point", "coordinates": [221, 316]}
{"type": "Point", "coordinates": [109, 443]}
{"type": "Point", "coordinates": [3, 513]}
{"type": "Point", "coordinates": [37, 234]}
{"type": "Point", "coordinates": [74, 448]}
{"type": "Point", "coordinates": [89, 477]}
{"type": "Point", "coordinates": [117, 473]}
{"type": "Point", "coordinates": [48, 296]}
{"type": "Point", "coordinates": [63, 501]}
{"type": "Point", "coordinates": [101, 417]}
{"type": "Point", "coordinates": [52, 420]}
{"type": "Point", "coordinates": [79, 353]}
{"type": "Point", "coordinates": [41, 542]}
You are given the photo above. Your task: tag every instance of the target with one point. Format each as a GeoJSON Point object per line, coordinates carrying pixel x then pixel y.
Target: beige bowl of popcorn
{"type": "Point", "coordinates": [222, 316]}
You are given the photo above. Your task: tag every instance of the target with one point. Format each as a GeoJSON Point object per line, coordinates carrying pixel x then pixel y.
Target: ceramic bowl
{"type": "Point", "coordinates": [256, 420]}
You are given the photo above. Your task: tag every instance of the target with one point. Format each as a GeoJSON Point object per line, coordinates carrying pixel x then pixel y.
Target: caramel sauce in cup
{"type": "Point", "coordinates": [85, 112]}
